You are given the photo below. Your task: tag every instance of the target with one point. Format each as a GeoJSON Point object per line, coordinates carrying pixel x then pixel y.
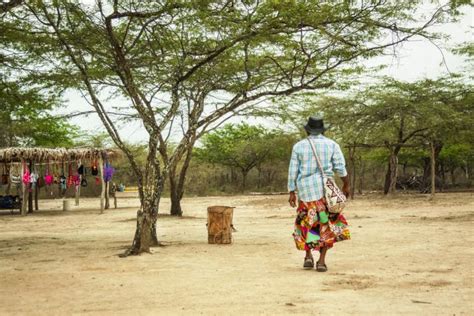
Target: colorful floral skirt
{"type": "Point", "coordinates": [315, 227]}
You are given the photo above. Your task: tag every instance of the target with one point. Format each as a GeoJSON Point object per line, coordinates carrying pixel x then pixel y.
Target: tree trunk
{"type": "Point", "coordinates": [352, 170]}
{"type": "Point", "coordinates": [174, 195]}
{"type": "Point", "coordinates": [391, 175]}
{"type": "Point", "coordinates": [361, 176]}
{"type": "Point", "coordinates": [259, 179]}
{"type": "Point", "coordinates": [433, 169]}
{"type": "Point", "coordinates": [176, 209]}
{"type": "Point", "coordinates": [177, 187]}
{"type": "Point", "coordinates": [443, 176]}
{"type": "Point", "coordinates": [244, 180]}
{"type": "Point", "coordinates": [468, 172]}
{"type": "Point", "coordinates": [150, 188]}
{"type": "Point", "coordinates": [453, 176]}
{"type": "Point", "coordinates": [426, 174]}
{"type": "Point", "coordinates": [233, 175]}
{"type": "Point", "coordinates": [145, 233]}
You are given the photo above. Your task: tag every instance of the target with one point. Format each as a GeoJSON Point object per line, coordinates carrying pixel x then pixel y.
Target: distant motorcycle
{"type": "Point", "coordinates": [409, 183]}
{"type": "Point", "coordinates": [416, 183]}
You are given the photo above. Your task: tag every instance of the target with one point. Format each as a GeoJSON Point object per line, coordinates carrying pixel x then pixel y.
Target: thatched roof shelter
{"type": "Point", "coordinates": [34, 156]}
{"type": "Point", "coordinates": [39, 155]}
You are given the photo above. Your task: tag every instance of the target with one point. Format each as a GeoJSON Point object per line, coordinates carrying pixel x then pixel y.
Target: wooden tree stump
{"type": "Point", "coordinates": [219, 224]}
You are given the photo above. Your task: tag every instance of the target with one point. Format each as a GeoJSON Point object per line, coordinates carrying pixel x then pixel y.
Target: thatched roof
{"type": "Point", "coordinates": [38, 155]}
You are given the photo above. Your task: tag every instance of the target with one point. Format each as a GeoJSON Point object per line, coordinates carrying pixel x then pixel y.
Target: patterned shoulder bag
{"type": "Point", "coordinates": [335, 199]}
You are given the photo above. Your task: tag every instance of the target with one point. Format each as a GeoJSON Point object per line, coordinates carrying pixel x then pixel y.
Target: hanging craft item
{"type": "Point", "coordinates": [62, 179]}
{"type": "Point", "coordinates": [81, 170]}
{"type": "Point", "coordinates": [70, 177]}
{"type": "Point", "coordinates": [5, 174]}
{"type": "Point", "coordinates": [57, 173]}
{"type": "Point", "coordinates": [48, 177]}
{"type": "Point", "coordinates": [26, 174]}
{"type": "Point", "coordinates": [40, 180]}
{"type": "Point", "coordinates": [76, 179]}
{"type": "Point", "coordinates": [94, 168]}
{"type": "Point", "coordinates": [34, 176]}
{"type": "Point", "coordinates": [15, 174]}
{"type": "Point", "coordinates": [108, 172]}
{"type": "Point", "coordinates": [40, 183]}
{"type": "Point", "coordinates": [84, 180]}
{"type": "Point", "coordinates": [77, 176]}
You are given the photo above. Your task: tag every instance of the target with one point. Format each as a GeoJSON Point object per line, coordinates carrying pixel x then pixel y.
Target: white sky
{"type": "Point", "coordinates": [415, 60]}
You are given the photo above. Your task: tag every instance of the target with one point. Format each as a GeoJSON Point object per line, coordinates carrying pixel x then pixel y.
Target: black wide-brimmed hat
{"type": "Point", "coordinates": [315, 125]}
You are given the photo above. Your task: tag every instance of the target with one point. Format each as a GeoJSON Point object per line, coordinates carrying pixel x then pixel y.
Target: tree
{"type": "Point", "coordinates": [243, 147]}
{"type": "Point", "coordinates": [458, 155]}
{"type": "Point", "coordinates": [26, 119]}
{"type": "Point", "coordinates": [26, 106]}
{"type": "Point", "coordinates": [153, 53]}
{"type": "Point", "coordinates": [396, 115]}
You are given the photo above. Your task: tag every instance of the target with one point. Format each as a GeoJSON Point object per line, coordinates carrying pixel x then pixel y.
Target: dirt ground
{"type": "Point", "coordinates": [407, 256]}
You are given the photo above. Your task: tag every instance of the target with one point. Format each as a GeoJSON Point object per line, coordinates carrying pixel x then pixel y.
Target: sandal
{"type": "Point", "coordinates": [308, 263]}
{"type": "Point", "coordinates": [321, 267]}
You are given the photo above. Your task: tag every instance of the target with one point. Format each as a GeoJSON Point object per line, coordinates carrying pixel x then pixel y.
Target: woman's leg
{"type": "Point", "coordinates": [321, 264]}
{"type": "Point", "coordinates": [308, 260]}
{"type": "Point", "coordinates": [322, 255]}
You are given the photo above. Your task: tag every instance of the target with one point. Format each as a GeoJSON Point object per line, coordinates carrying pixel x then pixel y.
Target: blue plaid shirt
{"type": "Point", "coordinates": [304, 174]}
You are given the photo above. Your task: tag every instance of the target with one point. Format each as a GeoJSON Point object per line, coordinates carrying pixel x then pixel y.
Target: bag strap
{"type": "Point", "coordinates": [317, 158]}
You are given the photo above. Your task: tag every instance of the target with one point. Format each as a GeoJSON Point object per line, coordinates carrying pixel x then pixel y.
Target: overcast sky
{"type": "Point", "coordinates": [415, 60]}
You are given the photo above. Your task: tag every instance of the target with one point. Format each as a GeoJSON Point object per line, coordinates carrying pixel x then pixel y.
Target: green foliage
{"type": "Point", "coordinates": [247, 49]}
{"type": "Point", "coordinates": [395, 117]}
{"type": "Point", "coordinates": [466, 49]}
{"type": "Point", "coordinates": [26, 119]}
{"type": "Point", "coordinates": [245, 147]}
{"type": "Point", "coordinates": [458, 155]}
{"type": "Point", "coordinates": [27, 98]}
{"type": "Point", "coordinates": [241, 146]}
{"type": "Point", "coordinates": [394, 112]}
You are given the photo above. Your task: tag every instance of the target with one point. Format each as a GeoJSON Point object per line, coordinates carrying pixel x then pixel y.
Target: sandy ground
{"type": "Point", "coordinates": [408, 256]}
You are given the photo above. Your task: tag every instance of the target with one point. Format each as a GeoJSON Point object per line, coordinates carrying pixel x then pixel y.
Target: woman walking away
{"type": "Point", "coordinates": [316, 228]}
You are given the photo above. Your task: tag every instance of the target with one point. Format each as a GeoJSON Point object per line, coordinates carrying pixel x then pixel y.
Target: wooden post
{"type": "Point", "coordinates": [78, 187]}
{"type": "Point", "coordinates": [24, 191]}
{"type": "Point", "coordinates": [35, 190]}
{"type": "Point", "coordinates": [107, 195]}
{"type": "Point", "coordinates": [36, 197]}
{"type": "Point", "coordinates": [102, 194]}
{"type": "Point", "coordinates": [30, 191]}
{"type": "Point", "coordinates": [114, 194]}
{"type": "Point", "coordinates": [77, 193]}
